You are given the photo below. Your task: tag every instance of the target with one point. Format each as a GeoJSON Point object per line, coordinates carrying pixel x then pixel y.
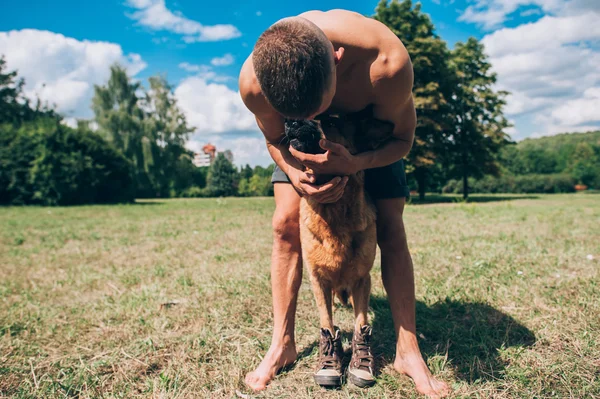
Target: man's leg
{"type": "Point", "coordinates": [286, 277]}
{"type": "Point", "coordinates": [398, 280]}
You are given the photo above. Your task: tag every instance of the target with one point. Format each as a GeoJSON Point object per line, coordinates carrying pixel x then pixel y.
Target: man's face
{"type": "Point", "coordinates": [329, 93]}
{"type": "Point", "coordinates": [327, 98]}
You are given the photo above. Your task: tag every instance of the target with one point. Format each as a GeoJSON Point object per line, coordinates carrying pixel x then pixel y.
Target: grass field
{"type": "Point", "coordinates": [171, 299]}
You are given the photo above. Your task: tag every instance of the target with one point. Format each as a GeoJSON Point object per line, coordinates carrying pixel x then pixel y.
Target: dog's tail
{"type": "Point", "coordinates": [343, 296]}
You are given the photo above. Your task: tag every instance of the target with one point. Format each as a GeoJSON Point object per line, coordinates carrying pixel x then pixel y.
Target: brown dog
{"type": "Point", "coordinates": [338, 246]}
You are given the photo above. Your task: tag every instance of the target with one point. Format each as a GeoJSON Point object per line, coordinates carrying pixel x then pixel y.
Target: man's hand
{"type": "Point", "coordinates": [327, 193]}
{"type": "Point", "coordinates": [337, 160]}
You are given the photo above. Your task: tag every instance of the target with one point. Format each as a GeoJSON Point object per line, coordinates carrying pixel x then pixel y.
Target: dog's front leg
{"type": "Point", "coordinates": [360, 302]}
{"type": "Point", "coordinates": [329, 369]}
{"type": "Point", "coordinates": [361, 368]}
{"type": "Point", "coordinates": [324, 298]}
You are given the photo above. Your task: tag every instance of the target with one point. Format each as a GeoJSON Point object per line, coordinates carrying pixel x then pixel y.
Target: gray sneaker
{"type": "Point", "coordinates": [361, 368]}
{"type": "Point", "coordinates": [329, 372]}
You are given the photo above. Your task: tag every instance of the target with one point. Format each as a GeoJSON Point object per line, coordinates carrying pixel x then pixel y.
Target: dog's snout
{"type": "Point", "coordinates": [304, 135]}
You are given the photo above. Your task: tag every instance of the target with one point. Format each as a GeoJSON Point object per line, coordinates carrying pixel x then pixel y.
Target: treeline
{"type": "Point", "coordinates": [133, 148]}
{"type": "Point", "coordinates": [554, 164]}
{"type": "Point", "coordinates": [460, 121]}
{"type": "Point", "coordinates": [42, 161]}
{"type": "Point", "coordinates": [222, 179]}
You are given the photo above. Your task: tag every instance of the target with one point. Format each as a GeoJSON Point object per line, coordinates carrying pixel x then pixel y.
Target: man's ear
{"type": "Point", "coordinates": [338, 55]}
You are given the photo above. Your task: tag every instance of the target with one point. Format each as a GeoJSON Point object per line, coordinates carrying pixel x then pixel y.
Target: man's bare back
{"type": "Point", "coordinates": [375, 70]}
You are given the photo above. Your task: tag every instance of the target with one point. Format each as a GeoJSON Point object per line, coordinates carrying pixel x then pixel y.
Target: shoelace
{"type": "Point", "coordinates": [328, 360]}
{"type": "Point", "coordinates": [363, 355]}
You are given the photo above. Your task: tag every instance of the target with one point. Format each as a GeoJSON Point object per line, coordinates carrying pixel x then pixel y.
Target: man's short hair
{"type": "Point", "coordinates": [293, 62]}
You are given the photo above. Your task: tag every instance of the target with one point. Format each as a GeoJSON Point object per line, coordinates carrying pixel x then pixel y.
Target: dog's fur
{"type": "Point", "coordinates": [339, 240]}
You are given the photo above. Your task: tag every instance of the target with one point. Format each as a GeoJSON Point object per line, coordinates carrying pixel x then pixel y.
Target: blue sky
{"type": "Point", "coordinates": [546, 52]}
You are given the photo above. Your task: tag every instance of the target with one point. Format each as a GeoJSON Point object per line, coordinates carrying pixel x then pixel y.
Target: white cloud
{"type": "Point", "coordinates": [491, 14]}
{"type": "Point", "coordinates": [545, 33]}
{"type": "Point", "coordinates": [530, 12]}
{"type": "Point", "coordinates": [204, 72]}
{"type": "Point", "coordinates": [186, 66]}
{"type": "Point", "coordinates": [155, 15]}
{"type": "Point", "coordinates": [221, 118]}
{"type": "Point", "coordinates": [579, 110]}
{"type": "Point", "coordinates": [227, 59]}
{"type": "Point", "coordinates": [213, 107]}
{"type": "Point", "coordinates": [61, 70]}
{"type": "Point", "coordinates": [550, 66]}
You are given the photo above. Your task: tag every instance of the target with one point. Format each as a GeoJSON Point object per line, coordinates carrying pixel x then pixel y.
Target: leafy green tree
{"type": "Point", "coordinates": [15, 108]}
{"type": "Point", "coordinates": [261, 186]}
{"type": "Point", "coordinates": [120, 119]}
{"type": "Point", "coordinates": [167, 127]}
{"type": "Point", "coordinates": [256, 186]}
{"type": "Point", "coordinates": [186, 175]}
{"type": "Point", "coordinates": [477, 108]}
{"type": "Point", "coordinates": [45, 162]}
{"type": "Point", "coordinates": [244, 188]}
{"type": "Point", "coordinates": [147, 126]}
{"type": "Point", "coordinates": [585, 165]}
{"type": "Point", "coordinates": [223, 177]}
{"type": "Point", "coordinates": [246, 172]}
{"type": "Point", "coordinates": [432, 84]}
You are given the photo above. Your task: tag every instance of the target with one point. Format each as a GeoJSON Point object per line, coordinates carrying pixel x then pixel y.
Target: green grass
{"type": "Point", "coordinates": [171, 299]}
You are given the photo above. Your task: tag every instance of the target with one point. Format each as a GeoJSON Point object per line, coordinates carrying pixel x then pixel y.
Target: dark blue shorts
{"type": "Point", "coordinates": [381, 183]}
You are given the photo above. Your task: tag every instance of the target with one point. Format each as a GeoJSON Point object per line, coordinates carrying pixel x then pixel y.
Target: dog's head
{"type": "Point", "coordinates": [304, 135]}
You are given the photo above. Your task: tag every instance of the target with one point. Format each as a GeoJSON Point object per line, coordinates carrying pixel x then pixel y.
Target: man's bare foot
{"type": "Point", "coordinates": [276, 358]}
{"type": "Point", "coordinates": [425, 382]}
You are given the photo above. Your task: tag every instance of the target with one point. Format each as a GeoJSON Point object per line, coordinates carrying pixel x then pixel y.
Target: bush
{"type": "Point", "coordinates": [256, 186]}
{"type": "Point", "coordinates": [47, 163]}
{"type": "Point", "coordinates": [524, 184]}
{"type": "Point", "coordinates": [197, 192]}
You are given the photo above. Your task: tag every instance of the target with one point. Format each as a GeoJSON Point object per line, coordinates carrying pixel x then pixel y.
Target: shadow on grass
{"type": "Point", "coordinates": [143, 201]}
{"type": "Point", "coordinates": [472, 333]}
{"type": "Point", "coordinates": [448, 199]}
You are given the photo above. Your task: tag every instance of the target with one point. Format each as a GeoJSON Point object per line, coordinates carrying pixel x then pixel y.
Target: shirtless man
{"type": "Point", "coordinates": [335, 62]}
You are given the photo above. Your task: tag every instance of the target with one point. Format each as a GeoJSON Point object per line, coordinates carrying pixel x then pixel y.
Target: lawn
{"type": "Point", "coordinates": [171, 299]}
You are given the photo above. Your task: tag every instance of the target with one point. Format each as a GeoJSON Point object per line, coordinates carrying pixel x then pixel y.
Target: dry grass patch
{"type": "Point", "coordinates": [172, 299]}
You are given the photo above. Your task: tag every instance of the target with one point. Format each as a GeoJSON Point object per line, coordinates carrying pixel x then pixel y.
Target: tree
{"type": "Point", "coordinates": [585, 165]}
{"type": "Point", "coordinates": [120, 120]}
{"type": "Point", "coordinates": [167, 127]}
{"type": "Point", "coordinates": [432, 83]}
{"type": "Point", "coordinates": [246, 172]}
{"type": "Point", "coordinates": [222, 178]}
{"type": "Point", "coordinates": [147, 126]}
{"type": "Point", "coordinates": [264, 172]}
{"type": "Point", "coordinates": [15, 108]}
{"type": "Point", "coordinates": [477, 109]}
{"type": "Point", "coordinates": [45, 162]}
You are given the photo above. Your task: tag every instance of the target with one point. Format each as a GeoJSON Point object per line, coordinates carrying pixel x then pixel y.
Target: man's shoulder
{"type": "Point", "coordinates": [392, 71]}
{"type": "Point", "coordinates": [335, 13]}
{"type": "Point", "coordinates": [250, 91]}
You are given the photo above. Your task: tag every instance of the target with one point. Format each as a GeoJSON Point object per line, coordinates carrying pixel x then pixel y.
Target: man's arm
{"type": "Point", "coordinates": [272, 126]}
{"type": "Point", "coordinates": [269, 121]}
{"type": "Point", "coordinates": [396, 107]}
{"type": "Point", "coordinates": [393, 103]}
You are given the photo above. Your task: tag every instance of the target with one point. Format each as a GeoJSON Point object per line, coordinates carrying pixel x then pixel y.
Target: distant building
{"type": "Point", "coordinates": [207, 156]}
{"type": "Point", "coordinates": [201, 159]}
